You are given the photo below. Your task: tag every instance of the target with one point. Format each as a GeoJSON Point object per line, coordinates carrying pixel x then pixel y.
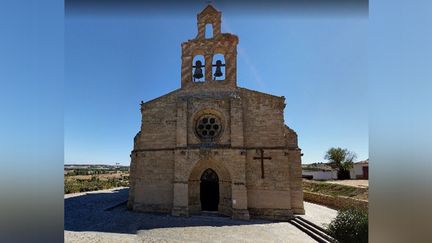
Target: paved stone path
{"type": "Point", "coordinates": [320, 215]}
{"type": "Point", "coordinates": [87, 220]}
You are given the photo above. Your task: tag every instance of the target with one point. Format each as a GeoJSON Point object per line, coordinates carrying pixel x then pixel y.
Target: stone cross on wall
{"type": "Point", "coordinates": [262, 158]}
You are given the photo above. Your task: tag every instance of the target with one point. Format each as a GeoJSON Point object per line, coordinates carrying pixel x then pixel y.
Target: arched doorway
{"type": "Point", "coordinates": [223, 191]}
{"type": "Point", "coordinates": [209, 190]}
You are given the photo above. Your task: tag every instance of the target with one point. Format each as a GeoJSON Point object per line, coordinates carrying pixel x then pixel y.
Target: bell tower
{"type": "Point", "coordinates": [210, 58]}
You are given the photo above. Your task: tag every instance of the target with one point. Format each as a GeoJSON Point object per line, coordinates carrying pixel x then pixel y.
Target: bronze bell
{"type": "Point", "coordinates": [218, 71]}
{"type": "Point", "coordinates": [198, 73]}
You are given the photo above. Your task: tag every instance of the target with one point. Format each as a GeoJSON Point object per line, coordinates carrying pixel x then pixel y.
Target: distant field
{"type": "Point", "coordinates": [335, 189]}
{"type": "Point", "coordinates": [91, 179]}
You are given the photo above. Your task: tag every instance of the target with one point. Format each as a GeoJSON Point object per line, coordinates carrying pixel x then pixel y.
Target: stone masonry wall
{"type": "Point", "coordinates": [158, 123]}
{"type": "Point", "coordinates": [336, 202]}
{"type": "Point", "coordinates": [153, 181]}
{"type": "Point", "coordinates": [164, 160]}
{"type": "Point", "coordinates": [296, 188]}
{"type": "Point", "coordinates": [263, 119]}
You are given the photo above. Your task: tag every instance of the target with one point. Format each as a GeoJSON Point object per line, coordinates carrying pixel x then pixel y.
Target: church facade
{"type": "Point", "coordinates": [213, 146]}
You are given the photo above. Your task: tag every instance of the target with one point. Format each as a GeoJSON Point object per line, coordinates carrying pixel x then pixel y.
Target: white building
{"type": "Point", "coordinates": [319, 171]}
{"type": "Point", "coordinates": [360, 170]}
{"type": "Point", "coordinates": [321, 174]}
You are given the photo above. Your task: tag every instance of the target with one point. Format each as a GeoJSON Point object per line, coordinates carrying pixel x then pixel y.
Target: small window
{"type": "Point", "coordinates": [208, 31]}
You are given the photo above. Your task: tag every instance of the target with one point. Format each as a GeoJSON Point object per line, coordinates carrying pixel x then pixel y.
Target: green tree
{"type": "Point", "coordinates": [342, 160]}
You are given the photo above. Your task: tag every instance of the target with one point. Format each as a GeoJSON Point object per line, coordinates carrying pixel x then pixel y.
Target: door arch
{"type": "Point", "coordinates": [225, 185]}
{"type": "Point", "coordinates": [209, 190]}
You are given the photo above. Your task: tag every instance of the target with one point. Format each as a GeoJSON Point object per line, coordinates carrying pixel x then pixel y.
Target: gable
{"type": "Point", "coordinates": [208, 10]}
{"type": "Point", "coordinates": [156, 101]}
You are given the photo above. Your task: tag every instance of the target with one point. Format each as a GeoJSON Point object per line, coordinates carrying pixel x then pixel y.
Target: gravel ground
{"type": "Point", "coordinates": [274, 232]}
{"type": "Point", "coordinates": [88, 218]}
{"type": "Point", "coordinates": [98, 237]}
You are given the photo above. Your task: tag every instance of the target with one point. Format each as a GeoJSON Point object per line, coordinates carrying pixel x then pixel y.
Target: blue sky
{"type": "Point", "coordinates": [112, 62]}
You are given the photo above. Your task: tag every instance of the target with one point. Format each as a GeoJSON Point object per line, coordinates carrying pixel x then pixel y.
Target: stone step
{"type": "Point", "coordinates": [315, 233]}
{"type": "Point", "coordinates": [313, 227]}
{"type": "Point", "coordinates": [308, 232]}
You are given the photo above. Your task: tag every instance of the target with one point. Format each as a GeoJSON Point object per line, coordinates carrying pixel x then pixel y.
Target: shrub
{"type": "Point", "coordinates": [350, 225]}
{"type": "Point", "coordinates": [94, 184]}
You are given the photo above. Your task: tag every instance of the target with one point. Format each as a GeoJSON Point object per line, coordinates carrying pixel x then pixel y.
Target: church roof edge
{"type": "Point", "coordinates": [261, 93]}
{"type": "Point", "coordinates": [160, 97]}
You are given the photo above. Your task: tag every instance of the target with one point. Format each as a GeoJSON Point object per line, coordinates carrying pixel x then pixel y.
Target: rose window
{"type": "Point", "coordinates": [208, 127]}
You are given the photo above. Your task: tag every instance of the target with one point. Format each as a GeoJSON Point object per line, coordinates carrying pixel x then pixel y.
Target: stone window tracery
{"type": "Point", "coordinates": [208, 127]}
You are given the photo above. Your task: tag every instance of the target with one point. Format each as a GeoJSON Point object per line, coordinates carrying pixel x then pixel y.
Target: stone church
{"type": "Point", "coordinates": [213, 146]}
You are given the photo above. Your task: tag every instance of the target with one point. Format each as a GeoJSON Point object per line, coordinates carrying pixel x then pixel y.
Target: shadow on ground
{"type": "Point", "coordinates": [105, 212]}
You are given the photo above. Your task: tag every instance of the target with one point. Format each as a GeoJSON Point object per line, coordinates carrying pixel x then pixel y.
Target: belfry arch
{"type": "Point", "coordinates": [209, 31]}
{"type": "Point", "coordinates": [198, 68]}
{"type": "Point", "coordinates": [218, 66]}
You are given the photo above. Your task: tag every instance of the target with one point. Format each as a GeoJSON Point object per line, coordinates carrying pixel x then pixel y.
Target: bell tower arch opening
{"type": "Point", "coordinates": [198, 68]}
{"type": "Point", "coordinates": [218, 67]}
{"type": "Point", "coordinates": [208, 31]}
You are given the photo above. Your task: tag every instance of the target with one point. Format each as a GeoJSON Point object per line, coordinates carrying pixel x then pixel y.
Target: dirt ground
{"type": "Point", "coordinates": [355, 183]}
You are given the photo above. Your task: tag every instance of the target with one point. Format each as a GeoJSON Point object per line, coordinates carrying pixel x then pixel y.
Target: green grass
{"type": "Point", "coordinates": [334, 189]}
